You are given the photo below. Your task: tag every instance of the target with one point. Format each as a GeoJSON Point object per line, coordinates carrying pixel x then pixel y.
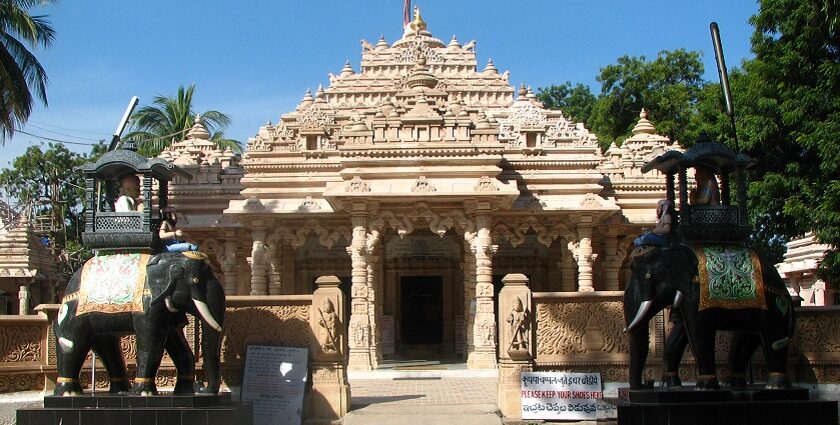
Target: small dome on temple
{"type": "Point", "coordinates": [481, 121]}
{"type": "Point", "coordinates": [347, 70]}
{"type": "Point", "coordinates": [306, 101]}
{"type": "Point", "coordinates": [420, 75]}
{"type": "Point", "coordinates": [198, 131]}
{"type": "Point", "coordinates": [644, 126]}
{"type": "Point", "coordinates": [454, 42]}
{"type": "Point", "coordinates": [523, 92]}
{"type": "Point", "coordinates": [320, 95]}
{"type": "Point", "coordinates": [382, 43]}
{"type": "Point", "coordinates": [490, 68]}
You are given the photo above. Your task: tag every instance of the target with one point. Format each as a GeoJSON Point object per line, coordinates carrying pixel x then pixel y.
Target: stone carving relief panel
{"type": "Point", "coordinates": [20, 343]}
{"type": "Point", "coordinates": [578, 328]}
{"type": "Point", "coordinates": [286, 325]}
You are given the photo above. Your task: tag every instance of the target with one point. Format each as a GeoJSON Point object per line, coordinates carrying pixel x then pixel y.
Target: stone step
{"type": "Point", "coordinates": [461, 414]}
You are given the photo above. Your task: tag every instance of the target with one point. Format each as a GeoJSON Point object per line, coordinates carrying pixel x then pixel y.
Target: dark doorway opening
{"type": "Point", "coordinates": [421, 308]}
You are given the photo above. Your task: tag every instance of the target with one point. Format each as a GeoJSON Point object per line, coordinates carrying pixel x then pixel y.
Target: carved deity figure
{"type": "Point", "coordinates": [518, 323]}
{"type": "Point", "coordinates": [328, 322]}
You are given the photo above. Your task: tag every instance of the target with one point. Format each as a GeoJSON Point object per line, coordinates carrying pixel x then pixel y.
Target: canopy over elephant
{"type": "Point", "coordinates": [717, 287]}
{"type": "Point", "coordinates": [148, 295]}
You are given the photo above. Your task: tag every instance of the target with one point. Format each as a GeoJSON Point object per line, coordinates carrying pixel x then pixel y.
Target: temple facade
{"type": "Point", "coordinates": [420, 180]}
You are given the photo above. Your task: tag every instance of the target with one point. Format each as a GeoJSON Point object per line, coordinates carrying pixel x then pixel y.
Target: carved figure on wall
{"type": "Point", "coordinates": [328, 321]}
{"type": "Point", "coordinates": [518, 320]}
{"type": "Point", "coordinates": [114, 295]}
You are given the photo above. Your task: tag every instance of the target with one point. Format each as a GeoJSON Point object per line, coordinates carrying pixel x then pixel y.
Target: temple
{"type": "Point", "coordinates": [420, 180]}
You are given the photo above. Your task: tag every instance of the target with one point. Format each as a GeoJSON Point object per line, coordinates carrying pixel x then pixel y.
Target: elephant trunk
{"type": "Point", "coordinates": [211, 334]}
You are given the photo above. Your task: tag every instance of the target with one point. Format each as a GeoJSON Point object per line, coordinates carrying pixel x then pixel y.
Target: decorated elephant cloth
{"type": "Point", "coordinates": [729, 277]}
{"type": "Point", "coordinates": [112, 284]}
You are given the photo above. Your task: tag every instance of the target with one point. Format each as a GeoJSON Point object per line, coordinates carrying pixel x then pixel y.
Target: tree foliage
{"type": "Point", "coordinates": [668, 87]}
{"type": "Point", "coordinates": [576, 101]}
{"type": "Point", "coordinates": [42, 182]}
{"type": "Point", "coordinates": [20, 72]}
{"type": "Point", "coordinates": [168, 118]}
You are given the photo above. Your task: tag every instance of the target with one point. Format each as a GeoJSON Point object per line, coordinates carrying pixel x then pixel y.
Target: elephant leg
{"type": "Point", "coordinates": [675, 346]}
{"type": "Point", "coordinates": [151, 339]}
{"type": "Point", "coordinates": [181, 354]}
{"type": "Point", "coordinates": [639, 340]}
{"type": "Point", "coordinates": [775, 354]}
{"type": "Point", "coordinates": [741, 349]}
{"type": "Point", "coordinates": [73, 346]}
{"type": "Point", "coordinates": [107, 347]}
{"type": "Point", "coordinates": [702, 339]}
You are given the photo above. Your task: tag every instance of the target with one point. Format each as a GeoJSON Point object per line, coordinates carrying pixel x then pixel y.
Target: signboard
{"type": "Point", "coordinates": [560, 395]}
{"type": "Point", "coordinates": [386, 327]}
{"type": "Point", "coordinates": [274, 379]}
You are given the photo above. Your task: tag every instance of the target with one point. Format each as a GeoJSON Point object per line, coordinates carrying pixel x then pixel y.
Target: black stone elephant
{"type": "Point", "coordinates": [170, 285]}
{"type": "Point", "coordinates": [666, 277]}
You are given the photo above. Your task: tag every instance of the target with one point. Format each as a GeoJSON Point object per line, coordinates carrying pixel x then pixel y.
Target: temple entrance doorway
{"type": "Point", "coordinates": [421, 316]}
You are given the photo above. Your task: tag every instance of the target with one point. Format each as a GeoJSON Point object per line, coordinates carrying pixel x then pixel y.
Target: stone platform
{"type": "Point", "coordinates": [747, 406]}
{"type": "Point", "coordinates": [165, 409]}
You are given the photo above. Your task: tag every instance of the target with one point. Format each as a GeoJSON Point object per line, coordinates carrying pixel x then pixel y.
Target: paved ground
{"type": "Point", "coordinates": [416, 393]}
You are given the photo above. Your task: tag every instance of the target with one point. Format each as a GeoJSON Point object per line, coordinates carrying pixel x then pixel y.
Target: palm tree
{"type": "Point", "coordinates": [20, 72]}
{"type": "Point", "coordinates": [154, 126]}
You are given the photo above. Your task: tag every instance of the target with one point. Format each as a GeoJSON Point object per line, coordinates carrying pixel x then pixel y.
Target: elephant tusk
{"type": "Point", "coordinates": [169, 305]}
{"type": "Point", "coordinates": [643, 311]}
{"type": "Point", "coordinates": [205, 314]}
{"type": "Point", "coordinates": [678, 299]}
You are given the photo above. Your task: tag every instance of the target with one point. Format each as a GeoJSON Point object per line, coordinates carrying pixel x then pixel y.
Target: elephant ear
{"type": "Point", "coordinates": [163, 279]}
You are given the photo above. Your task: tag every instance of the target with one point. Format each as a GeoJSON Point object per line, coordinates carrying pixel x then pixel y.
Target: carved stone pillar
{"type": "Point", "coordinates": [274, 251]}
{"type": "Point", "coordinates": [612, 263]}
{"type": "Point", "coordinates": [516, 341]}
{"type": "Point", "coordinates": [359, 319]}
{"type": "Point", "coordinates": [468, 266]}
{"type": "Point", "coordinates": [483, 355]}
{"type": "Point", "coordinates": [567, 269]}
{"type": "Point", "coordinates": [257, 261]}
{"type": "Point", "coordinates": [23, 300]}
{"type": "Point", "coordinates": [582, 251]}
{"type": "Point", "coordinates": [228, 263]}
{"type": "Point", "coordinates": [373, 267]}
{"type": "Point", "coordinates": [330, 395]}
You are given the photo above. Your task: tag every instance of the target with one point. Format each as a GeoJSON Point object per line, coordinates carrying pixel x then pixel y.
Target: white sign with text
{"type": "Point", "coordinates": [274, 379]}
{"type": "Point", "coordinates": [560, 395]}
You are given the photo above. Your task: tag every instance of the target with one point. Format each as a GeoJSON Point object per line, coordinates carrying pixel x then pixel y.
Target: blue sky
{"type": "Point", "coordinates": [255, 59]}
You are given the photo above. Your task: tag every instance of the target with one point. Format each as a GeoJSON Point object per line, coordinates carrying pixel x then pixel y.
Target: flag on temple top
{"type": "Point", "coordinates": [406, 12]}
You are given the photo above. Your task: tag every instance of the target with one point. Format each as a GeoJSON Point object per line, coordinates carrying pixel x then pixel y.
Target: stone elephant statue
{"type": "Point", "coordinates": [666, 277]}
{"type": "Point", "coordinates": [148, 295]}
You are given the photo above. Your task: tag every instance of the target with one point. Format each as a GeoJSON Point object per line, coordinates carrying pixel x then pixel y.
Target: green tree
{"type": "Point", "coordinates": [576, 101]}
{"type": "Point", "coordinates": [20, 72]}
{"type": "Point", "coordinates": [43, 181]}
{"type": "Point", "coordinates": [789, 120]}
{"type": "Point", "coordinates": [668, 87]}
{"type": "Point", "coordinates": [167, 118]}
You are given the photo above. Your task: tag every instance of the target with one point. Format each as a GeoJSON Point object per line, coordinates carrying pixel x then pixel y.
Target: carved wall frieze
{"type": "Point", "coordinates": [578, 328]}
{"type": "Point", "coordinates": [423, 185]}
{"type": "Point", "coordinates": [20, 343]}
{"type": "Point", "coordinates": [357, 185]}
{"type": "Point", "coordinates": [286, 325]}
{"type": "Point", "coordinates": [486, 184]}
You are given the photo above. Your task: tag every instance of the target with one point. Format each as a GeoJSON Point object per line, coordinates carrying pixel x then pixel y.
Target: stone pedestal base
{"type": "Point", "coordinates": [481, 360]}
{"type": "Point", "coordinates": [161, 410]}
{"type": "Point", "coordinates": [749, 406]}
{"type": "Point", "coordinates": [329, 398]}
